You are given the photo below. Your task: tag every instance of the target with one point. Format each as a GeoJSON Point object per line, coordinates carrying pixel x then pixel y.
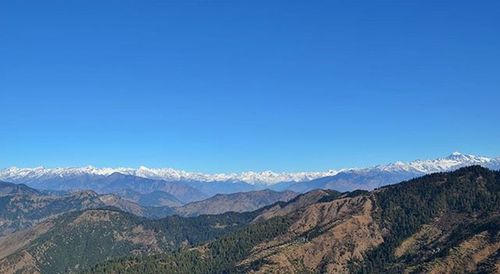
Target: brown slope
{"type": "Point", "coordinates": [441, 223]}
{"type": "Point", "coordinates": [325, 237]}
{"type": "Point", "coordinates": [444, 246]}
{"type": "Point", "coordinates": [299, 202]}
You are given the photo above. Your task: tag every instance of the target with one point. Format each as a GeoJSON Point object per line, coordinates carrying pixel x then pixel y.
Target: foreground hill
{"type": "Point", "coordinates": [78, 240]}
{"type": "Point", "coordinates": [440, 223]}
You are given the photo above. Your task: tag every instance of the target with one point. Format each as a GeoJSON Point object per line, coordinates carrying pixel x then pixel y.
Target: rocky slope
{"type": "Point", "coordinates": [325, 237]}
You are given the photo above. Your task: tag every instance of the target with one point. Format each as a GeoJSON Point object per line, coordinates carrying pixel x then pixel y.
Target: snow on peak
{"type": "Point", "coordinates": [15, 174]}
{"type": "Point", "coordinates": [451, 162]}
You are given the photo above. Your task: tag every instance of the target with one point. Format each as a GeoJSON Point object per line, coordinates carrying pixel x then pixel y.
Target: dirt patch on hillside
{"type": "Point", "coordinates": [21, 263]}
{"type": "Point", "coordinates": [466, 256]}
{"type": "Point", "coordinates": [426, 235]}
{"type": "Point", "coordinates": [325, 237]}
{"type": "Point", "coordinates": [94, 216]}
{"type": "Point", "coordinates": [16, 241]}
{"type": "Point", "coordinates": [140, 236]}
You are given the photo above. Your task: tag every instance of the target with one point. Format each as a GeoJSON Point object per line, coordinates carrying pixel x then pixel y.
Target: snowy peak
{"type": "Point", "coordinates": [455, 154]}
{"type": "Point", "coordinates": [459, 157]}
{"type": "Point", "coordinates": [451, 162]}
{"type": "Point", "coordinates": [21, 175]}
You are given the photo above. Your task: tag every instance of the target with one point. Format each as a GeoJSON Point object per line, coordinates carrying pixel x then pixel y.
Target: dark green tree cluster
{"type": "Point", "coordinates": [405, 207]}
{"type": "Point", "coordinates": [68, 247]}
{"type": "Point", "coordinates": [218, 256]}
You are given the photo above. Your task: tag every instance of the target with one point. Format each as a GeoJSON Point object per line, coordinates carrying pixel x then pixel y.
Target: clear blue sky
{"type": "Point", "coordinates": [220, 86]}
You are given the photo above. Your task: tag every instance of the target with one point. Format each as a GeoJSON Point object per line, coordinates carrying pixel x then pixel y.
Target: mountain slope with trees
{"type": "Point", "coordinates": [78, 240]}
{"type": "Point", "coordinates": [439, 223]}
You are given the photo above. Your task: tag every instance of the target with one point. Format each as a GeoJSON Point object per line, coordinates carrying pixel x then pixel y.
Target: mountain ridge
{"type": "Point", "coordinates": [175, 193]}
{"type": "Point", "coordinates": [454, 160]}
{"type": "Point", "coordinates": [22, 207]}
{"type": "Point", "coordinates": [446, 222]}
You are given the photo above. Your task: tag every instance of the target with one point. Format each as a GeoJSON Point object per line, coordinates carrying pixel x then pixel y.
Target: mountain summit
{"type": "Point", "coordinates": [453, 161]}
{"type": "Point", "coordinates": [192, 186]}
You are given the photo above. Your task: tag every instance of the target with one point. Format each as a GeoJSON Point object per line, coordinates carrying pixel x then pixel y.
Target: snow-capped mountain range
{"type": "Point", "coordinates": [265, 178]}
{"type": "Point", "coordinates": [15, 174]}
{"type": "Point", "coordinates": [453, 161]}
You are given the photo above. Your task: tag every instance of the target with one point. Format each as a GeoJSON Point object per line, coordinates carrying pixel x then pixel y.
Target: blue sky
{"type": "Point", "coordinates": [219, 86]}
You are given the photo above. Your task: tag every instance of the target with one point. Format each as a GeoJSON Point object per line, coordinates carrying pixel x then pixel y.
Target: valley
{"type": "Point", "coordinates": [439, 223]}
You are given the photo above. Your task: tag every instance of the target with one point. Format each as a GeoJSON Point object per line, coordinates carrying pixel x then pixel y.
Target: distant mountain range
{"type": "Point", "coordinates": [170, 187]}
{"type": "Point", "coordinates": [440, 223]}
{"type": "Point", "coordinates": [381, 175]}
{"type": "Point", "coordinates": [167, 174]}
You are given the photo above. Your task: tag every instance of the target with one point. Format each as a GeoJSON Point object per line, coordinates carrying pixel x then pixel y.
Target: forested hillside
{"type": "Point", "coordinates": [440, 223]}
